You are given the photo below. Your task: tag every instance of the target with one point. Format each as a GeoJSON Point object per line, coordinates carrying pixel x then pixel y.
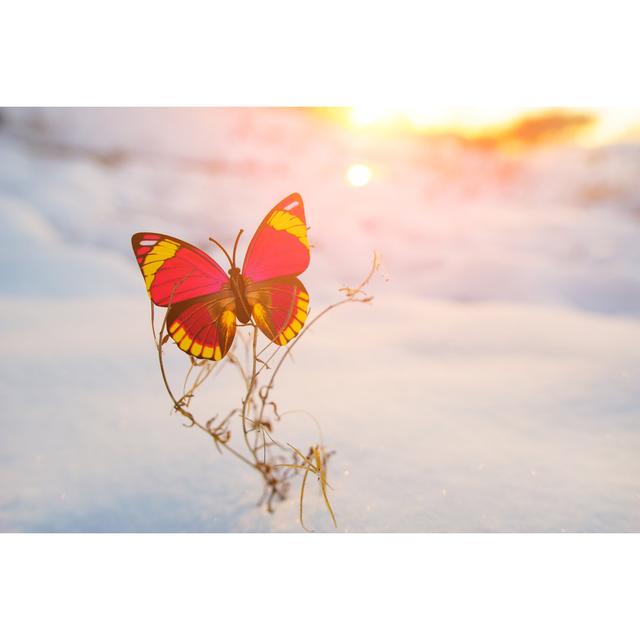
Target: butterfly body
{"type": "Point", "coordinates": [238, 286]}
{"type": "Point", "coordinates": [205, 304]}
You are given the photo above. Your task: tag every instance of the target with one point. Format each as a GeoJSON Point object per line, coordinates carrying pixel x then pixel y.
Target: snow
{"type": "Point", "coordinates": [492, 385]}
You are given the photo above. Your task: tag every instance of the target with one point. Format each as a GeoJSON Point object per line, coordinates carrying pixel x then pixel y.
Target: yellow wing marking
{"type": "Point", "coordinates": [285, 221]}
{"type": "Point", "coordinates": [227, 329]}
{"type": "Point", "coordinates": [228, 319]}
{"type": "Point", "coordinates": [161, 252]}
{"type": "Point", "coordinates": [207, 352]}
{"type": "Point", "coordinates": [179, 334]}
{"type": "Point", "coordinates": [186, 343]}
{"type": "Point", "coordinates": [259, 313]}
{"type": "Point", "coordinates": [296, 323]}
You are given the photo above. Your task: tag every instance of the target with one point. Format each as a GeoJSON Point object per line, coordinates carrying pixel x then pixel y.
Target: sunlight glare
{"type": "Point", "coordinates": [612, 124]}
{"type": "Point", "coordinates": [363, 116]}
{"type": "Point", "coordinates": [433, 119]}
{"type": "Point", "coordinates": [359, 175]}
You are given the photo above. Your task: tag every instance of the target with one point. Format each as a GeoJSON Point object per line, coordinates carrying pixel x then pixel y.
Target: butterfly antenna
{"type": "Point", "coordinates": [223, 249]}
{"type": "Point", "coordinates": [235, 246]}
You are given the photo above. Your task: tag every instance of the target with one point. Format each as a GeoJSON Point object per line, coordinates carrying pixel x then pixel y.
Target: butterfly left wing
{"type": "Point", "coordinates": [204, 327]}
{"type": "Point", "coordinates": [175, 270]}
{"type": "Point", "coordinates": [279, 307]}
{"type": "Point", "coordinates": [280, 246]}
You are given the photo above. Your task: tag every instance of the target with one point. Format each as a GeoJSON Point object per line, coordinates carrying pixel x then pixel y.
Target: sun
{"type": "Point", "coordinates": [363, 116]}
{"type": "Point", "coordinates": [359, 175]}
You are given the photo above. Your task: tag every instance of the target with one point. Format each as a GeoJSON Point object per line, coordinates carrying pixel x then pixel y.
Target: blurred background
{"type": "Point", "coordinates": [492, 385]}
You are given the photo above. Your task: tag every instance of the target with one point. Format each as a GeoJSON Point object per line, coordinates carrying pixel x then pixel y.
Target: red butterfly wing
{"type": "Point", "coordinates": [280, 307]}
{"type": "Point", "coordinates": [204, 327]}
{"type": "Point", "coordinates": [175, 270]}
{"type": "Point", "coordinates": [280, 246]}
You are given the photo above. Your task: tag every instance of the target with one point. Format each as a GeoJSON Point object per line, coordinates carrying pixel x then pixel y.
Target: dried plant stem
{"type": "Point", "coordinates": [246, 402]}
{"type": "Point", "coordinates": [275, 462]}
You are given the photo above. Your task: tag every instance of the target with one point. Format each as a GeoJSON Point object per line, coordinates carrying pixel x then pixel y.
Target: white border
{"type": "Point", "coordinates": [343, 586]}
{"type": "Point", "coordinates": [400, 53]}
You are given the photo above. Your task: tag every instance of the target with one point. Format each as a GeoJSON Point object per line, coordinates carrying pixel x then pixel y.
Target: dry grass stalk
{"type": "Point", "coordinates": [276, 463]}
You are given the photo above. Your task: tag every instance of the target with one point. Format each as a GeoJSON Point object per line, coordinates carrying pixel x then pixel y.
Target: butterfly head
{"type": "Point", "coordinates": [234, 271]}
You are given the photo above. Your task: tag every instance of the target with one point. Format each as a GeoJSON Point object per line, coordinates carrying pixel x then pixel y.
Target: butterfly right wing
{"type": "Point", "coordinates": [175, 270]}
{"type": "Point", "coordinates": [279, 307]}
{"type": "Point", "coordinates": [280, 246]}
{"type": "Point", "coordinates": [204, 327]}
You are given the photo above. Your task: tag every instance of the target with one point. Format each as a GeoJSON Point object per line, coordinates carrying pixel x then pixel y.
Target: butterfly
{"type": "Point", "coordinates": [205, 304]}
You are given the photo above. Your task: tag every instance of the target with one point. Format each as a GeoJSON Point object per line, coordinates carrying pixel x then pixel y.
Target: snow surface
{"type": "Point", "coordinates": [492, 385]}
